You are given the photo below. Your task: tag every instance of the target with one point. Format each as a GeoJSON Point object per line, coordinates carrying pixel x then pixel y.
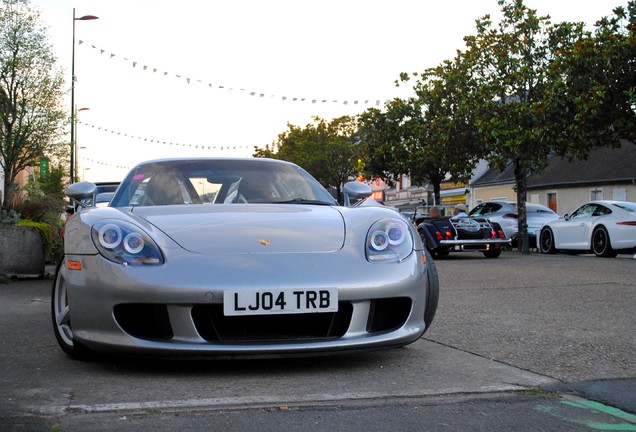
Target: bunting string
{"type": "Point", "coordinates": [96, 162]}
{"type": "Point", "coordinates": [163, 142]}
{"type": "Point", "coordinates": [252, 93]}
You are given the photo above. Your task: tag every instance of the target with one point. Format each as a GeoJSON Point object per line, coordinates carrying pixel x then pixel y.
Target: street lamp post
{"type": "Point", "coordinates": [75, 147]}
{"type": "Point", "coordinates": [72, 167]}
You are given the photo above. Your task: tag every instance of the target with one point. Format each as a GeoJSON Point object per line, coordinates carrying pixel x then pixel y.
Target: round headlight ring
{"type": "Point", "coordinates": [379, 240]}
{"type": "Point", "coordinates": [134, 243]}
{"type": "Point", "coordinates": [110, 236]}
{"type": "Point", "coordinates": [395, 233]}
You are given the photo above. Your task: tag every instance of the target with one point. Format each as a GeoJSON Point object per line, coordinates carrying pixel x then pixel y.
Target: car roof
{"type": "Point", "coordinates": [194, 159]}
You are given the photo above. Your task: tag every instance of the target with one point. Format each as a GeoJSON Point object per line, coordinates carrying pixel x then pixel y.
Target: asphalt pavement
{"type": "Point", "coordinates": [519, 343]}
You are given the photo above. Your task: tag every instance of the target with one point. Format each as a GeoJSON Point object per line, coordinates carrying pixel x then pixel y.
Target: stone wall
{"type": "Point", "coordinates": [21, 251]}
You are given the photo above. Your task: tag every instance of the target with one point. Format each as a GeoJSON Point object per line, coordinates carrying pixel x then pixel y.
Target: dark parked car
{"type": "Point", "coordinates": [442, 235]}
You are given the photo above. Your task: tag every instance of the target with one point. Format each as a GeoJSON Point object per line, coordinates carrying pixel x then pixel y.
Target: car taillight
{"type": "Point", "coordinates": [628, 223]}
{"type": "Point", "coordinates": [502, 234]}
{"type": "Point", "coordinates": [449, 235]}
{"type": "Point", "coordinates": [510, 216]}
{"type": "Point", "coordinates": [493, 234]}
{"type": "Point", "coordinates": [439, 235]}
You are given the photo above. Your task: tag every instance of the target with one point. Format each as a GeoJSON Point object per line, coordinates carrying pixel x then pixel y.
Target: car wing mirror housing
{"type": "Point", "coordinates": [81, 191]}
{"type": "Point", "coordinates": [354, 191]}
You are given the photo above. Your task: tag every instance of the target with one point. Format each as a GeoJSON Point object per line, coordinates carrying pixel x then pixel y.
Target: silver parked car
{"type": "Point", "coordinates": [238, 257]}
{"type": "Point", "coordinates": [506, 215]}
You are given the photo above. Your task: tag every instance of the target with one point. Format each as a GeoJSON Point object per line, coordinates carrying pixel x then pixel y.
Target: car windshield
{"type": "Point", "coordinates": [219, 181]}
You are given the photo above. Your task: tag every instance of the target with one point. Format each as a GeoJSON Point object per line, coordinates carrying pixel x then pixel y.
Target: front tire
{"type": "Point", "coordinates": [546, 241]}
{"type": "Point", "coordinates": [433, 291]}
{"type": "Point", "coordinates": [601, 245]}
{"type": "Point", "coordinates": [61, 316]}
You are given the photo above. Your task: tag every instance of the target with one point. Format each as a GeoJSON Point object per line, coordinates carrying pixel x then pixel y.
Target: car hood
{"type": "Point", "coordinates": [249, 228]}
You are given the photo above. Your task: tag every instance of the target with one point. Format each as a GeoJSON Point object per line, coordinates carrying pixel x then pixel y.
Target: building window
{"type": "Point", "coordinates": [552, 201]}
{"type": "Point", "coordinates": [596, 194]}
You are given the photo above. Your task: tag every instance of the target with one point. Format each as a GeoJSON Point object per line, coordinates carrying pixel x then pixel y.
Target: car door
{"type": "Point", "coordinates": [574, 232]}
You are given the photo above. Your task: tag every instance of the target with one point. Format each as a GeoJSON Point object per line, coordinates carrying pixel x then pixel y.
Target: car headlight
{"type": "Point", "coordinates": [124, 243]}
{"type": "Point", "coordinates": [389, 240]}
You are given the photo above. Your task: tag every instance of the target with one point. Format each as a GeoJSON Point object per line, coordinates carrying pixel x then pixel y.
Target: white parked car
{"type": "Point", "coordinates": [603, 227]}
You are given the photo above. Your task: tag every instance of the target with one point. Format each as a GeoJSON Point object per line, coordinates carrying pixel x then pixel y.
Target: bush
{"type": "Point", "coordinates": [9, 217]}
{"type": "Point", "coordinates": [51, 239]}
{"type": "Point", "coordinates": [41, 209]}
{"type": "Point", "coordinates": [44, 212]}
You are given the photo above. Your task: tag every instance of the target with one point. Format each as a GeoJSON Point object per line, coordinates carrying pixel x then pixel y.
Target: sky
{"type": "Point", "coordinates": [216, 78]}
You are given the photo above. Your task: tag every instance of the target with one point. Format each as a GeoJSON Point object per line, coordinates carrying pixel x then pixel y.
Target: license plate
{"type": "Point", "coordinates": [265, 302]}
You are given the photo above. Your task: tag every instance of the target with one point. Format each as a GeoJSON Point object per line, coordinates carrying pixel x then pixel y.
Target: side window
{"type": "Point", "coordinates": [601, 211]}
{"type": "Point", "coordinates": [490, 208]}
{"type": "Point", "coordinates": [479, 210]}
{"type": "Point", "coordinates": [584, 211]}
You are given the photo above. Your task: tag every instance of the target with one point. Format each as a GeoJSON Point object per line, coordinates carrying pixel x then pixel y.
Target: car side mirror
{"type": "Point", "coordinates": [566, 216]}
{"type": "Point", "coordinates": [354, 191]}
{"type": "Point", "coordinates": [81, 191]}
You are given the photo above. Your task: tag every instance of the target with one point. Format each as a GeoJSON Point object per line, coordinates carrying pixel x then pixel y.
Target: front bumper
{"type": "Point", "coordinates": [172, 309]}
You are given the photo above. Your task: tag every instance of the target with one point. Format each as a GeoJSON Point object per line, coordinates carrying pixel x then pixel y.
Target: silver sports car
{"type": "Point", "coordinates": [238, 257]}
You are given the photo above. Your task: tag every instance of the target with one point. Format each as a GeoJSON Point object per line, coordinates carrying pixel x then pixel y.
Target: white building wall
{"type": "Point", "coordinates": [569, 199]}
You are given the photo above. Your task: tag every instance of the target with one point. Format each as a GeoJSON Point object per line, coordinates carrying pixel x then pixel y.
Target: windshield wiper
{"type": "Point", "coordinates": [303, 201]}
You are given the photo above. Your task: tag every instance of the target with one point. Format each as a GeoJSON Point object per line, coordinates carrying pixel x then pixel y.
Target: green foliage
{"type": "Point", "coordinates": [383, 136]}
{"type": "Point", "coordinates": [9, 217]}
{"type": "Point", "coordinates": [523, 89]}
{"type": "Point", "coordinates": [430, 137]}
{"type": "Point", "coordinates": [327, 150]}
{"type": "Point", "coordinates": [31, 92]}
{"type": "Point", "coordinates": [51, 187]}
{"type": "Point", "coordinates": [42, 208]}
{"type": "Point", "coordinates": [593, 78]}
{"type": "Point", "coordinates": [50, 234]}
{"type": "Point", "coordinates": [45, 230]}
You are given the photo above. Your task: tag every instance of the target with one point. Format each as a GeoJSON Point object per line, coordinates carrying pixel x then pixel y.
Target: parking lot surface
{"type": "Point", "coordinates": [518, 340]}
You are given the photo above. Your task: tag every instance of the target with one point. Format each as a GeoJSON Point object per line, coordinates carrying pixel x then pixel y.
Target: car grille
{"type": "Point", "coordinates": [212, 325]}
{"type": "Point", "coordinates": [152, 322]}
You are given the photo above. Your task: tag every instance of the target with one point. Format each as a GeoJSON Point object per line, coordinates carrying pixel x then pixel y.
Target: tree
{"type": "Point", "coordinates": [511, 63]}
{"type": "Point", "coordinates": [593, 81]}
{"type": "Point", "coordinates": [31, 90]}
{"type": "Point", "coordinates": [550, 89]}
{"type": "Point", "coordinates": [430, 137]}
{"type": "Point", "coordinates": [327, 150]}
{"type": "Point", "coordinates": [383, 136]}
{"type": "Point", "coordinates": [402, 140]}
{"type": "Point", "coordinates": [447, 143]}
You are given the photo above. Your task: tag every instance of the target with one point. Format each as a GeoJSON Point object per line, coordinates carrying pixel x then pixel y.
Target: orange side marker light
{"type": "Point", "coordinates": [73, 265]}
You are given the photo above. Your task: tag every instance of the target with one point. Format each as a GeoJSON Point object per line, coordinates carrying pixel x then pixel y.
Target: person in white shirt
{"type": "Point", "coordinates": [460, 211]}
